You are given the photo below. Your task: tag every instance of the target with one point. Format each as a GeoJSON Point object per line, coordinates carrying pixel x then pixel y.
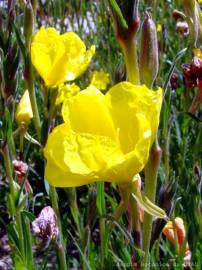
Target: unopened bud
{"type": "Point", "coordinates": [24, 112]}
{"type": "Point", "coordinates": [34, 6]}
{"type": "Point", "coordinates": [20, 171]}
{"type": "Point", "coordinates": [168, 231]}
{"type": "Point", "coordinates": [196, 67]}
{"type": "Point", "coordinates": [149, 61]}
{"type": "Point", "coordinates": [45, 226]}
{"type": "Point", "coordinates": [174, 81]}
{"type": "Point", "coordinates": [28, 23]}
{"type": "Point", "coordinates": [182, 28]}
{"type": "Point", "coordinates": [192, 10]}
{"type": "Point", "coordinates": [189, 78]}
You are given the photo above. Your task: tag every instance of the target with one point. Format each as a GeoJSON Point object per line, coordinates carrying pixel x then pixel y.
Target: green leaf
{"type": "Point", "coordinates": [31, 139]}
{"type": "Point", "coordinates": [8, 126]}
{"type": "Point", "coordinates": [20, 42]}
{"type": "Point", "coordinates": [177, 57]}
{"type": "Point", "coordinates": [22, 202]}
{"type": "Point", "coordinates": [27, 240]}
{"type": "Point", "coordinates": [29, 215]}
{"type": "Point", "coordinates": [117, 12]}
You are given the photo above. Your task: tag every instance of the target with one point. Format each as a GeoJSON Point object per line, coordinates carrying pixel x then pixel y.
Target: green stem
{"type": "Point", "coordinates": [130, 56]}
{"type": "Point", "coordinates": [20, 234]}
{"type": "Point", "coordinates": [136, 222]}
{"type": "Point", "coordinates": [175, 235]}
{"type": "Point", "coordinates": [9, 174]}
{"type": "Point", "coordinates": [72, 196]}
{"type": "Point", "coordinates": [30, 86]}
{"type": "Point", "coordinates": [151, 171]}
{"type": "Point", "coordinates": [61, 248]}
{"type": "Point", "coordinates": [103, 240]}
{"type": "Point", "coordinates": [123, 205]}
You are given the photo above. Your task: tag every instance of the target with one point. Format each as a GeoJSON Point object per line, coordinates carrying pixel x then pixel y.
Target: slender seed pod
{"type": "Point", "coordinates": [149, 60]}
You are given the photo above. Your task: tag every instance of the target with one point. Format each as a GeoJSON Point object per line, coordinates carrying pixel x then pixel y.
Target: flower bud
{"type": "Point", "coordinates": [28, 23]}
{"type": "Point", "coordinates": [168, 231]}
{"type": "Point", "coordinates": [174, 81]}
{"type": "Point", "coordinates": [149, 61]}
{"type": "Point", "coordinates": [45, 226]}
{"type": "Point", "coordinates": [24, 112]}
{"type": "Point", "coordinates": [192, 10]}
{"type": "Point", "coordinates": [34, 6]}
{"type": "Point", "coordinates": [182, 28]}
{"type": "Point", "coordinates": [20, 171]}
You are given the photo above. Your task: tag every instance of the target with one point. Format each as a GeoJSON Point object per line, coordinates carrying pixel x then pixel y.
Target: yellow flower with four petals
{"type": "Point", "coordinates": [104, 137]}
{"type": "Point", "coordinates": [59, 57]}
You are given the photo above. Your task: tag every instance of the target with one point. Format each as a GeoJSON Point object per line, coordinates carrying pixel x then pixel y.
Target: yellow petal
{"type": "Point", "coordinates": [65, 91]}
{"type": "Point", "coordinates": [24, 110]}
{"type": "Point", "coordinates": [74, 159]}
{"type": "Point", "coordinates": [100, 79]}
{"type": "Point", "coordinates": [77, 66]}
{"type": "Point", "coordinates": [159, 27]}
{"type": "Point", "coordinates": [87, 112]}
{"type": "Point", "coordinates": [48, 56]}
{"type": "Point", "coordinates": [127, 102]}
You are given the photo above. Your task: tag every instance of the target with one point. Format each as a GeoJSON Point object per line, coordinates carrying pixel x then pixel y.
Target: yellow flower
{"type": "Point", "coordinates": [197, 52]}
{"type": "Point", "coordinates": [159, 27]}
{"type": "Point", "coordinates": [59, 58]}
{"type": "Point", "coordinates": [65, 91]}
{"type": "Point", "coordinates": [100, 79]}
{"type": "Point", "coordinates": [24, 110]}
{"type": "Point", "coordinates": [104, 137]}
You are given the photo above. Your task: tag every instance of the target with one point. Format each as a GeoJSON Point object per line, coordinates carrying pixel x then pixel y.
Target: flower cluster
{"type": "Point", "coordinates": [103, 137]}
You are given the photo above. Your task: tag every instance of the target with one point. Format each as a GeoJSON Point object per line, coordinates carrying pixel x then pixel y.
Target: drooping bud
{"type": "Point", "coordinates": [149, 60]}
{"type": "Point", "coordinates": [28, 23]}
{"type": "Point", "coordinates": [24, 112]}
